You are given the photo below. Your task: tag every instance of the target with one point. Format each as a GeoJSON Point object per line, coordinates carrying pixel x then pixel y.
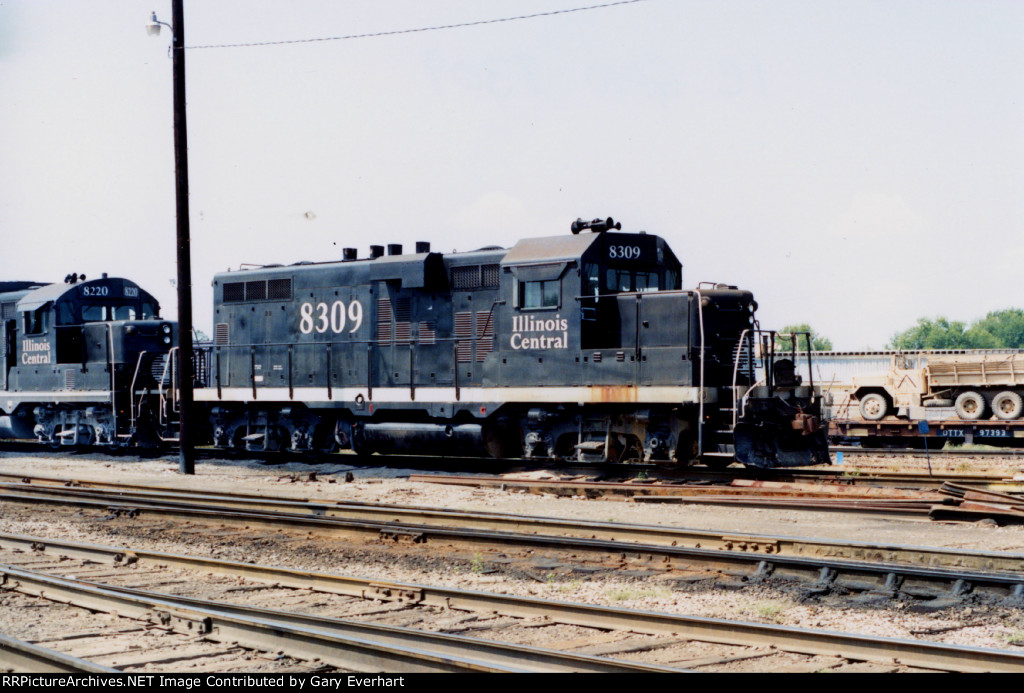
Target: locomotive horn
{"type": "Point", "coordinates": [597, 225]}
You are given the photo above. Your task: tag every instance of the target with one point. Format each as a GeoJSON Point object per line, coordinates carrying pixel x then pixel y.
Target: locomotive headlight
{"type": "Point", "coordinates": [752, 306]}
{"type": "Point", "coordinates": [165, 328]}
{"type": "Point", "coordinates": [167, 339]}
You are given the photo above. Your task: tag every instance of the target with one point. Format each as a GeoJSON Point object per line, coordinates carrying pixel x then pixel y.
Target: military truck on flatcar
{"type": "Point", "coordinates": [976, 386]}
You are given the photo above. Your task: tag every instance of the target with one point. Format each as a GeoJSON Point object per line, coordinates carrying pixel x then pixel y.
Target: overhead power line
{"type": "Point", "coordinates": [421, 29]}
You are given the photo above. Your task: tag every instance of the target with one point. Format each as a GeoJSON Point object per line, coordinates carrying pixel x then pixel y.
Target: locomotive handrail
{"type": "Point", "coordinates": [735, 373]}
{"type": "Point", "coordinates": [135, 377]}
{"type": "Point", "coordinates": [113, 379]}
{"type": "Point", "coordinates": [700, 403]}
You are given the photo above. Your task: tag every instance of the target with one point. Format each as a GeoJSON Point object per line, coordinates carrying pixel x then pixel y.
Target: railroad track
{"type": "Point", "coordinates": [819, 566]}
{"type": "Point", "coordinates": [1013, 453]}
{"type": "Point", "coordinates": [618, 472]}
{"type": "Point", "coordinates": [674, 640]}
{"type": "Point", "coordinates": [347, 645]}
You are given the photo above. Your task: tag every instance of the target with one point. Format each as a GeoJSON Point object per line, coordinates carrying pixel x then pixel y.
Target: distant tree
{"type": "Point", "coordinates": [939, 333]}
{"type": "Point", "coordinates": [1002, 329]}
{"type": "Point", "coordinates": [1005, 326]}
{"type": "Point", "coordinates": [818, 342]}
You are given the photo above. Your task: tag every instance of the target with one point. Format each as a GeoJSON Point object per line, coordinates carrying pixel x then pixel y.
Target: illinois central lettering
{"type": "Point", "coordinates": [529, 332]}
{"type": "Point", "coordinates": [35, 352]}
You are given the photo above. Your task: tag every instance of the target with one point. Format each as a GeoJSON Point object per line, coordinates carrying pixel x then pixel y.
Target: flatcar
{"type": "Point", "coordinates": [580, 346]}
{"type": "Point", "coordinates": [84, 362]}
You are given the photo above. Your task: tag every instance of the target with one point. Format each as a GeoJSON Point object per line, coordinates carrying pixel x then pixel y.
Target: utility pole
{"type": "Point", "coordinates": [187, 458]}
{"type": "Point", "coordinates": [186, 463]}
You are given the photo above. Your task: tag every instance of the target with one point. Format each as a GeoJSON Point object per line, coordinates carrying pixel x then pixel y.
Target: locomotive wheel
{"type": "Point", "coordinates": [874, 406]}
{"type": "Point", "coordinates": [1007, 405]}
{"type": "Point", "coordinates": [971, 406]}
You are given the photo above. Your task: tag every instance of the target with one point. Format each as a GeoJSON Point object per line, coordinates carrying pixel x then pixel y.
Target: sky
{"type": "Point", "coordinates": [858, 165]}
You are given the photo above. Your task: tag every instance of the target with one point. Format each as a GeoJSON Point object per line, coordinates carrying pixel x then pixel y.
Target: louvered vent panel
{"type": "Point", "coordinates": [234, 292]}
{"type": "Point", "coordinates": [221, 334]}
{"type": "Point", "coordinates": [384, 320]}
{"type": "Point", "coordinates": [484, 333]}
{"type": "Point", "coordinates": [491, 276]}
{"type": "Point", "coordinates": [8, 311]}
{"type": "Point", "coordinates": [428, 332]}
{"type": "Point", "coordinates": [463, 336]}
{"type": "Point", "coordinates": [402, 309]}
{"type": "Point", "coordinates": [743, 356]}
{"type": "Point", "coordinates": [158, 370]}
{"type": "Point", "coordinates": [279, 289]}
{"type": "Point", "coordinates": [403, 332]}
{"type": "Point", "coordinates": [69, 379]}
{"type": "Point", "coordinates": [465, 278]}
{"type": "Point", "coordinates": [256, 291]}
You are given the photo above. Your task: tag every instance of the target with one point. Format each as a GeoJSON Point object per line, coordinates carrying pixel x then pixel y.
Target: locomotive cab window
{"type": "Point", "coordinates": [538, 294]}
{"type": "Point", "coordinates": [617, 280]}
{"type": "Point", "coordinates": [35, 321]}
{"type": "Point", "coordinates": [106, 313]}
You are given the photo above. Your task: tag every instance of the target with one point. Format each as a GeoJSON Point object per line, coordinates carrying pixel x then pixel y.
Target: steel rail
{"type": "Point", "coordinates": [825, 573]}
{"type": "Point", "coordinates": [920, 654]}
{"type": "Point", "coordinates": [350, 645]}
{"type": "Point", "coordinates": [425, 519]}
{"type": "Point", "coordinates": [661, 480]}
{"type": "Point", "coordinates": [656, 472]}
{"type": "Point", "coordinates": [920, 452]}
{"type": "Point", "coordinates": [24, 657]}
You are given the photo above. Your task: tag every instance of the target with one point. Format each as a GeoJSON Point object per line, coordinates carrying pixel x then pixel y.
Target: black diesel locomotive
{"type": "Point", "coordinates": [577, 347]}
{"type": "Point", "coordinates": [85, 362]}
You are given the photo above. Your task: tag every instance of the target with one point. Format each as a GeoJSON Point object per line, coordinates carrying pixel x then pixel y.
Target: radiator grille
{"type": "Point", "coordinates": [221, 334]}
{"type": "Point", "coordinates": [256, 291]}
{"type": "Point", "coordinates": [234, 292]}
{"type": "Point", "coordinates": [279, 289]}
{"type": "Point", "coordinates": [466, 278]}
{"type": "Point", "coordinates": [491, 276]}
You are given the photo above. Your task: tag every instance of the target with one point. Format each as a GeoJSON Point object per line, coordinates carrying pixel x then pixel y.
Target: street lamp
{"type": "Point", "coordinates": [177, 26]}
{"type": "Point", "coordinates": [153, 27]}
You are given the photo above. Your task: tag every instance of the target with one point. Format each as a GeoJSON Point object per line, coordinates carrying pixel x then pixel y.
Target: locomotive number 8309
{"type": "Point", "coordinates": [334, 317]}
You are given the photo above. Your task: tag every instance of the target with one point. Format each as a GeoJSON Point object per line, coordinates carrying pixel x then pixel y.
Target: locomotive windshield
{"type": "Point", "coordinates": [614, 280]}
{"type": "Point", "coordinates": [106, 312]}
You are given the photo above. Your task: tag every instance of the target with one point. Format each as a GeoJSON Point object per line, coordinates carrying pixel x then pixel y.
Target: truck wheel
{"type": "Point", "coordinates": [971, 406]}
{"type": "Point", "coordinates": [1007, 405]}
{"type": "Point", "coordinates": [874, 407]}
